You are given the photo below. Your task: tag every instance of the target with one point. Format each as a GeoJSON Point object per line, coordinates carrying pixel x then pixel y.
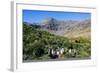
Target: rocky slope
{"type": "Point", "coordinates": [67, 28]}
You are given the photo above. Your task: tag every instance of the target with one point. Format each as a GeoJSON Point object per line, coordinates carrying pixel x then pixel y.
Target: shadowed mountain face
{"type": "Point", "coordinates": [68, 28]}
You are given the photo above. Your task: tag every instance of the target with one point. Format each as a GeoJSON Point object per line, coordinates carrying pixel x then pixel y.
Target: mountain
{"type": "Point", "coordinates": [80, 29]}
{"type": "Point", "coordinates": [68, 28]}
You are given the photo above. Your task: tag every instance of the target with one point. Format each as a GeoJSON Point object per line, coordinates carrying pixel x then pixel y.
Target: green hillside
{"type": "Point", "coordinates": [36, 43]}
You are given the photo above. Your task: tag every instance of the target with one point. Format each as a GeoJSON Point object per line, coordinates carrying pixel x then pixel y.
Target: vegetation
{"type": "Point", "coordinates": [36, 43]}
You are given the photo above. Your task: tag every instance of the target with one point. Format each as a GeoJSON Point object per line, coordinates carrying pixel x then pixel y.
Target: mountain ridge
{"type": "Point", "coordinates": [68, 28]}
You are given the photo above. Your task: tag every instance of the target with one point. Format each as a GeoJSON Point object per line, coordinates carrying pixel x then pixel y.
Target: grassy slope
{"type": "Point", "coordinates": [35, 40]}
{"type": "Point", "coordinates": [85, 33]}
